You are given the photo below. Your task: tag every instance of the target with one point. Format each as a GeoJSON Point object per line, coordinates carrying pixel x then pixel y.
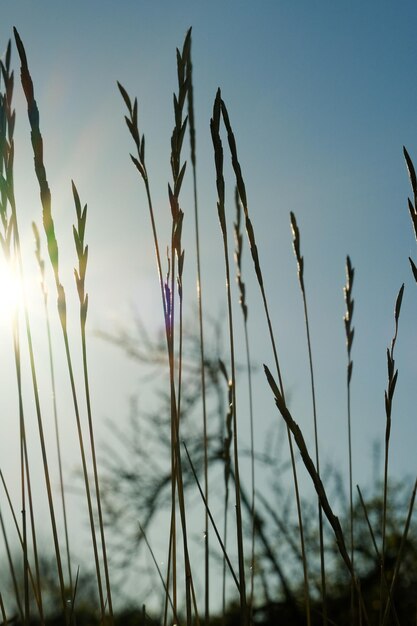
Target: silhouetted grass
{"type": "Point", "coordinates": [298, 601]}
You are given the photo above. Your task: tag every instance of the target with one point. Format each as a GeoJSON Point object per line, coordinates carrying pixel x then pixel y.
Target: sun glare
{"type": "Point", "coordinates": [10, 292]}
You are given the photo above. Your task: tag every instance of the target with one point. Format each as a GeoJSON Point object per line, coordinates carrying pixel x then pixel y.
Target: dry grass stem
{"type": "Point", "coordinates": [400, 556]}
{"type": "Point", "coordinates": [350, 331]}
{"type": "Point", "coordinates": [82, 254]}
{"type": "Point", "coordinates": [213, 523]}
{"type": "Point", "coordinates": [192, 133]}
{"type": "Point", "coordinates": [37, 144]}
{"type": "Point", "coordinates": [300, 268]}
{"type": "Point", "coordinates": [244, 308]}
{"type": "Point", "coordinates": [389, 396]}
{"type": "Point", "coordinates": [41, 264]}
{"type": "Point", "coordinates": [255, 257]}
{"type": "Point", "coordinates": [218, 158]}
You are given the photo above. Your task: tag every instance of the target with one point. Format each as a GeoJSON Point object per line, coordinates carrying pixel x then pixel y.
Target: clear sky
{"type": "Point", "coordinates": [322, 97]}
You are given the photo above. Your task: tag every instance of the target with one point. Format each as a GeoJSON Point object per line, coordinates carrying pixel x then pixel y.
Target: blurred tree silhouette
{"type": "Point", "coordinates": [136, 488]}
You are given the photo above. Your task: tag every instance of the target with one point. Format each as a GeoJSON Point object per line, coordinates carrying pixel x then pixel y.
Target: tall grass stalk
{"type": "Point", "coordinates": [350, 331]}
{"type": "Point", "coordinates": [317, 482]}
{"type": "Point", "coordinates": [213, 523]}
{"type": "Point", "coordinates": [10, 231]}
{"type": "Point", "coordinates": [171, 558]}
{"type": "Point", "coordinates": [167, 291]}
{"type": "Point", "coordinates": [24, 465]}
{"type": "Point", "coordinates": [9, 184]}
{"type": "Point", "coordinates": [244, 309]}
{"type": "Point", "coordinates": [82, 254]}
{"type": "Point", "coordinates": [400, 556]}
{"type": "Point", "coordinates": [167, 594]}
{"type": "Point", "coordinates": [254, 252]}
{"type": "Point", "coordinates": [377, 553]}
{"type": "Point", "coordinates": [191, 127]}
{"type": "Point", "coordinates": [271, 555]}
{"type": "Point", "coordinates": [227, 464]}
{"type": "Point", "coordinates": [389, 396]}
{"type": "Point", "coordinates": [300, 268]}
{"type": "Point", "coordinates": [218, 156]}
{"type": "Point", "coordinates": [37, 144]}
{"type": "Point", "coordinates": [139, 162]}
{"type": "Point", "coordinates": [41, 264]}
{"type": "Point", "coordinates": [177, 254]}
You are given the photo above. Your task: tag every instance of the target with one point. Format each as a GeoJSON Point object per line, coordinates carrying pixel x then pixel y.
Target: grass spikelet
{"type": "Point", "coordinates": [350, 331]}
{"type": "Point", "coordinates": [242, 193]}
{"type": "Point", "coordinates": [309, 465]}
{"type": "Point", "coordinates": [412, 207]}
{"type": "Point", "coordinates": [37, 144]}
{"type": "Point", "coordinates": [300, 270]}
{"type": "Point", "coordinates": [389, 396]}
{"type": "Point", "coordinates": [318, 485]}
{"type": "Point", "coordinates": [178, 171]}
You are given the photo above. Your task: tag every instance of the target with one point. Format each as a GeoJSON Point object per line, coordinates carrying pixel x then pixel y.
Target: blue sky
{"type": "Point", "coordinates": [322, 97]}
